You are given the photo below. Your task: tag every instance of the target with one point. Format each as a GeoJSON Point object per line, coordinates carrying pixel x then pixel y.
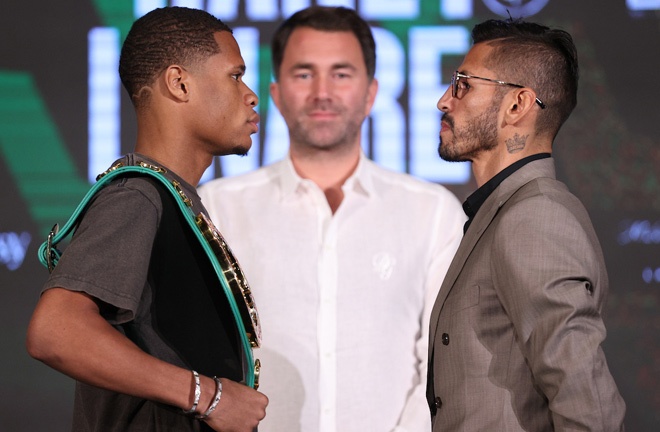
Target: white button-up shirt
{"type": "Point", "coordinates": [344, 299]}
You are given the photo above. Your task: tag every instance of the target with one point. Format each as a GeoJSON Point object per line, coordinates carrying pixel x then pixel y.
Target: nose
{"type": "Point", "coordinates": [321, 87]}
{"type": "Point", "coordinates": [443, 102]}
{"type": "Point", "coordinates": [251, 97]}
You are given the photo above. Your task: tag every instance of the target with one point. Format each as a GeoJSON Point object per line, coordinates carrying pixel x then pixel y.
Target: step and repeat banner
{"type": "Point", "coordinates": [64, 118]}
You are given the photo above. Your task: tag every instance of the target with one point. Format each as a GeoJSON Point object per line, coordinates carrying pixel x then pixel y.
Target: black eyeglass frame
{"type": "Point", "coordinates": [456, 75]}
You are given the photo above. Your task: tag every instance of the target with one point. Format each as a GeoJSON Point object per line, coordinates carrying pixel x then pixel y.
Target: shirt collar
{"type": "Point", "coordinates": [475, 201]}
{"type": "Point", "coordinates": [360, 181]}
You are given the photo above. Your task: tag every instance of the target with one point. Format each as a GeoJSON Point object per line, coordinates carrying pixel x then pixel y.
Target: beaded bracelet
{"type": "Point", "coordinates": [216, 399]}
{"type": "Point", "coordinates": [198, 393]}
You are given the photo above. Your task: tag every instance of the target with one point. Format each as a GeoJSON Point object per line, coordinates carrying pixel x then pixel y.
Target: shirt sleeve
{"type": "Point", "coordinates": [108, 256]}
{"type": "Point", "coordinates": [445, 238]}
{"type": "Point", "coordinates": [550, 278]}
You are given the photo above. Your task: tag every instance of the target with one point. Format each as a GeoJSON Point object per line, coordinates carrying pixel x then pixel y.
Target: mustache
{"type": "Point", "coordinates": [324, 105]}
{"type": "Point", "coordinates": [448, 119]}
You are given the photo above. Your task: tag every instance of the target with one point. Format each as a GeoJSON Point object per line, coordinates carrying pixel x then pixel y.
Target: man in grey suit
{"type": "Point", "coordinates": [516, 330]}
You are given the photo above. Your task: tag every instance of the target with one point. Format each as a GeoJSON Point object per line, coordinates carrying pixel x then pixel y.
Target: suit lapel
{"type": "Point", "coordinates": [483, 218]}
{"type": "Point", "coordinates": [481, 221]}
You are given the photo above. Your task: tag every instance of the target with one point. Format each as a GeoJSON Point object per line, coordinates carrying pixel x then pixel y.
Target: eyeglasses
{"type": "Point", "coordinates": [459, 85]}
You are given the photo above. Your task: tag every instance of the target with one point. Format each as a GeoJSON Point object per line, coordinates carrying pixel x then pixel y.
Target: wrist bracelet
{"type": "Point", "coordinates": [198, 393]}
{"type": "Point", "coordinates": [216, 399]}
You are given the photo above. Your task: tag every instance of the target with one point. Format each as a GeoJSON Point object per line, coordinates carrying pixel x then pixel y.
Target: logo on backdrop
{"type": "Point", "coordinates": [13, 247]}
{"type": "Point", "coordinates": [515, 8]}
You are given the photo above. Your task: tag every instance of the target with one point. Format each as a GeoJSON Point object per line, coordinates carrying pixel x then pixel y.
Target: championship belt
{"type": "Point", "coordinates": [226, 266]}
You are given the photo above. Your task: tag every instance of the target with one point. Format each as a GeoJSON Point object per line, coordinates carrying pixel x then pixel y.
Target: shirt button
{"type": "Point", "coordinates": [438, 403]}
{"type": "Point", "coordinates": [445, 339]}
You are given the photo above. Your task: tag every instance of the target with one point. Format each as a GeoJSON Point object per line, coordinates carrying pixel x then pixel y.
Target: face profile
{"type": "Point", "coordinates": [223, 105]}
{"type": "Point", "coordinates": [469, 122]}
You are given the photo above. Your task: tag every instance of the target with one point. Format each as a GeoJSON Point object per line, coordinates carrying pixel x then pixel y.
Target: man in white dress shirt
{"type": "Point", "coordinates": [344, 257]}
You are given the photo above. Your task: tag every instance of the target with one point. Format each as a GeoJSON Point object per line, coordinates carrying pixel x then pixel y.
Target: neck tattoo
{"type": "Point", "coordinates": [516, 143]}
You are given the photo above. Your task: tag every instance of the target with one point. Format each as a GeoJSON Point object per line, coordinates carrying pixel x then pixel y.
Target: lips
{"type": "Point", "coordinates": [446, 124]}
{"type": "Point", "coordinates": [322, 114]}
{"type": "Point", "coordinates": [323, 109]}
{"type": "Point", "coordinates": [254, 121]}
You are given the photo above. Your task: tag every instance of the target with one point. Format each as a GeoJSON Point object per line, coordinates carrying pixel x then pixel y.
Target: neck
{"type": "Point", "coordinates": [487, 165]}
{"type": "Point", "coordinates": [327, 169]}
{"type": "Point", "coordinates": [174, 151]}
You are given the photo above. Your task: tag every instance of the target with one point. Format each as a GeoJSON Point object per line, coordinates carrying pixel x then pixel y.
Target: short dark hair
{"type": "Point", "coordinates": [326, 18]}
{"type": "Point", "coordinates": [538, 57]}
{"type": "Point", "coordinates": [163, 37]}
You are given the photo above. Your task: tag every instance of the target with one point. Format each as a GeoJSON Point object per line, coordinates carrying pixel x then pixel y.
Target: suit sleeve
{"type": "Point", "coordinates": [549, 274]}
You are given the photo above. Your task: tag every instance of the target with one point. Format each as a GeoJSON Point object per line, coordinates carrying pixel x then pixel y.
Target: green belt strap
{"type": "Point", "coordinates": [49, 255]}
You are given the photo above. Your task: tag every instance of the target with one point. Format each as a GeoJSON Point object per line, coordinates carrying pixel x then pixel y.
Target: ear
{"type": "Point", "coordinates": [371, 95]}
{"type": "Point", "coordinates": [521, 106]}
{"type": "Point", "coordinates": [177, 83]}
{"type": "Point", "coordinates": [275, 93]}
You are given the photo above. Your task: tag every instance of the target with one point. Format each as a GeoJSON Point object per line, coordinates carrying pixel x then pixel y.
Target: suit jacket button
{"type": "Point", "coordinates": [445, 339]}
{"type": "Point", "coordinates": [438, 403]}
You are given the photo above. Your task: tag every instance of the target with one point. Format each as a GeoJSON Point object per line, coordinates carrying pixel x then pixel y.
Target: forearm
{"type": "Point", "coordinates": [68, 334]}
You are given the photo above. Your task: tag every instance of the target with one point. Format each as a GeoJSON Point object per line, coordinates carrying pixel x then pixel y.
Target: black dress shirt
{"type": "Point", "coordinates": [473, 202]}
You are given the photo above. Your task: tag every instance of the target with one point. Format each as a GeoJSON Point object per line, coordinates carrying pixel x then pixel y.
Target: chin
{"type": "Point", "coordinates": [240, 150]}
{"type": "Point", "coordinates": [448, 156]}
{"type": "Point", "coordinates": [445, 153]}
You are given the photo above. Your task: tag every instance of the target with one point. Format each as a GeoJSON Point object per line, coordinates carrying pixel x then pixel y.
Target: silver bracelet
{"type": "Point", "coordinates": [216, 399]}
{"type": "Point", "coordinates": [198, 393]}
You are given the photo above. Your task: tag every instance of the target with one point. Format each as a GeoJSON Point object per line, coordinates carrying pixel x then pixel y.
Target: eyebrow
{"type": "Point", "coordinates": [240, 68]}
{"type": "Point", "coordinates": [334, 66]}
{"type": "Point", "coordinates": [344, 66]}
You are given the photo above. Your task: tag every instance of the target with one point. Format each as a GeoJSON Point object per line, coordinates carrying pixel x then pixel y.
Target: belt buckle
{"type": "Point", "coordinates": [51, 255]}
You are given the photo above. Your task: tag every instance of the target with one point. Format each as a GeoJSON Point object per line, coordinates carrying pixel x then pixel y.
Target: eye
{"type": "Point", "coordinates": [237, 76]}
{"type": "Point", "coordinates": [462, 84]}
{"type": "Point", "coordinates": [302, 75]}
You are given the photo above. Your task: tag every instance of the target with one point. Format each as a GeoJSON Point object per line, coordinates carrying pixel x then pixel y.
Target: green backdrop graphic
{"type": "Point", "coordinates": [38, 160]}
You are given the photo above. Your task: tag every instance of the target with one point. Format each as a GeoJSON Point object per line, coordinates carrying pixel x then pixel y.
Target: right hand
{"type": "Point", "coordinates": [240, 409]}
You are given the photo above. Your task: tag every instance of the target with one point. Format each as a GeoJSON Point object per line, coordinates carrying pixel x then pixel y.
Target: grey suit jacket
{"type": "Point", "coordinates": [516, 329]}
